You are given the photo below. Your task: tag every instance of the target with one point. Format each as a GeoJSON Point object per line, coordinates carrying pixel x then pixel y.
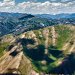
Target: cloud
{"type": "Point", "coordinates": [37, 7]}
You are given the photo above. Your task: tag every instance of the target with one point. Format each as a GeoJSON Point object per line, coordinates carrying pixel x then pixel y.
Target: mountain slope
{"type": "Point", "coordinates": [43, 51]}
{"type": "Point", "coordinates": [18, 23]}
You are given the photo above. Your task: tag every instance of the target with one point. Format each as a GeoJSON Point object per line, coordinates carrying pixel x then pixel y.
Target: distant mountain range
{"type": "Point", "coordinates": [48, 16]}
{"type": "Point", "coordinates": [18, 23]}
{"type": "Point", "coordinates": [14, 15]}
{"type": "Point", "coordinates": [57, 16]}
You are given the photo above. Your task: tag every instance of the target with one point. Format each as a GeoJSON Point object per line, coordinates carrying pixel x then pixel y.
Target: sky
{"type": "Point", "coordinates": [38, 6]}
{"type": "Point", "coordinates": [45, 0]}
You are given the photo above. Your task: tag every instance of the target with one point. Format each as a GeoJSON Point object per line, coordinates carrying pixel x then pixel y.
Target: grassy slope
{"type": "Point", "coordinates": [5, 44]}
{"type": "Point", "coordinates": [25, 66]}
{"type": "Point", "coordinates": [64, 34]}
{"type": "Point", "coordinates": [3, 47]}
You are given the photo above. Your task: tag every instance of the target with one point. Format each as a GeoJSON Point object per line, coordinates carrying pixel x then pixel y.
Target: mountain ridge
{"type": "Point", "coordinates": [18, 23]}
{"type": "Point", "coordinates": [56, 16]}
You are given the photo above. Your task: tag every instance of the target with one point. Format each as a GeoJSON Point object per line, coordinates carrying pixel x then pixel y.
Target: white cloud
{"type": "Point", "coordinates": [38, 7]}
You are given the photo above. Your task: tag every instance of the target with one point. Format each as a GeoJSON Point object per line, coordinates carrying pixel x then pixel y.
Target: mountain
{"type": "Point", "coordinates": [33, 45]}
{"type": "Point", "coordinates": [6, 14]}
{"type": "Point", "coordinates": [57, 16]}
{"type": "Point", "coordinates": [50, 50]}
{"type": "Point", "coordinates": [17, 23]}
